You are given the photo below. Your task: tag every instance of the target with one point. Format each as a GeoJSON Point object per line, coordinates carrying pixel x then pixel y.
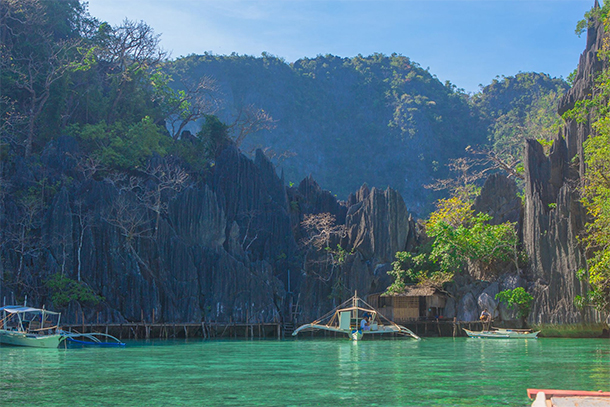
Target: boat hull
{"type": "Point", "coordinates": [29, 340]}
{"type": "Point", "coordinates": [356, 335]}
{"type": "Point", "coordinates": [502, 334]}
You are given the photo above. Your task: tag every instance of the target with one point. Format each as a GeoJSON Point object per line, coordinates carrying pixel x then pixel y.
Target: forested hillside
{"type": "Point", "coordinates": [520, 107]}
{"type": "Point", "coordinates": [379, 119]}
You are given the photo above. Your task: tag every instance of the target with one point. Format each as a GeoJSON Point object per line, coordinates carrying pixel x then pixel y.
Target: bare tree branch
{"type": "Point", "coordinates": [250, 120]}
{"type": "Point", "coordinates": [197, 100]}
{"type": "Point", "coordinates": [494, 161]}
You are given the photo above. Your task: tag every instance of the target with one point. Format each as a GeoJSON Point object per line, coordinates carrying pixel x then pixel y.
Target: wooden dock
{"type": "Point", "coordinates": [142, 330]}
{"type": "Point", "coordinates": [268, 330]}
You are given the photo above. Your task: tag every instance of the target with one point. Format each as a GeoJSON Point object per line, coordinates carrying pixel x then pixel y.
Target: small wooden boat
{"type": "Point", "coordinates": [566, 398]}
{"type": "Point", "coordinates": [347, 318]}
{"type": "Point", "coordinates": [32, 327]}
{"type": "Point", "coordinates": [501, 333]}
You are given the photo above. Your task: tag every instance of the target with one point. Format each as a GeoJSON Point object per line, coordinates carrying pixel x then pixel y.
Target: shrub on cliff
{"type": "Point", "coordinates": [458, 238]}
{"type": "Point", "coordinates": [64, 289]}
{"type": "Point", "coordinates": [517, 298]}
{"type": "Point", "coordinates": [122, 145]}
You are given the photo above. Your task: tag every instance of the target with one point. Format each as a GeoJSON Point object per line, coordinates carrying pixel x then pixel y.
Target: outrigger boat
{"type": "Point", "coordinates": [26, 326]}
{"type": "Point", "coordinates": [39, 328]}
{"type": "Point", "coordinates": [347, 317]}
{"type": "Point", "coordinates": [502, 333]}
{"type": "Point", "coordinates": [91, 339]}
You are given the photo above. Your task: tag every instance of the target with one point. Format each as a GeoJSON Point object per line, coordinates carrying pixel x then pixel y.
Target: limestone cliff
{"type": "Point", "coordinates": [377, 225]}
{"type": "Point", "coordinates": [554, 217]}
{"type": "Point", "coordinates": [224, 247]}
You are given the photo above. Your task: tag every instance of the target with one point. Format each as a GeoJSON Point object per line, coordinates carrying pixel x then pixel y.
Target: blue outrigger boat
{"type": "Point", "coordinates": [91, 339]}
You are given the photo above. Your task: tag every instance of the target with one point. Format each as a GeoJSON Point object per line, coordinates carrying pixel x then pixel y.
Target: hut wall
{"type": "Point", "coordinates": [406, 308]}
{"type": "Point", "coordinates": [435, 301]}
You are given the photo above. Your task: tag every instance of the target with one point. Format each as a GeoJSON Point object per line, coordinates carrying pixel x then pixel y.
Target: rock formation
{"type": "Point", "coordinates": [222, 248]}
{"type": "Point", "coordinates": [554, 217]}
{"type": "Point", "coordinates": [377, 225]}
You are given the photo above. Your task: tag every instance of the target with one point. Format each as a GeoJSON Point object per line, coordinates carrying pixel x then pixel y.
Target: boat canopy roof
{"type": "Point", "coordinates": [15, 309]}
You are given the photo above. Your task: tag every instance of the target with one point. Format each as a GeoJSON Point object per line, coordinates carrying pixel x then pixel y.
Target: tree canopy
{"type": "Point", "coordinates": [459, 238]}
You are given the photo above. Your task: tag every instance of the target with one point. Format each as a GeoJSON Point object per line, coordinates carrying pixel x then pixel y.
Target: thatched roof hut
{"type": "Point", "coordinates": [414, 303]}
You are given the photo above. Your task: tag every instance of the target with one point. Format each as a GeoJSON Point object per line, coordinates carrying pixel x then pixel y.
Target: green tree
{"type": "Point", "coordinates": [476, 241]}
{"type": "Point", "coordinates": [459, 238]}
{"type": "Point", "coordinates": [121, 145]}
{"type": "Point", "coordinates": [517, 298]}
{"type": "Point", "coordinates": [215, 136]}
{"type": "Point", "coordinates": [417, 268]}
{"type": "Point", "coordinates": [63, 290]}
{"type": "Point", "coordinates": [38, 48]}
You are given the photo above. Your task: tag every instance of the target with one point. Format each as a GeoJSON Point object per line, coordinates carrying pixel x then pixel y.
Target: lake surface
{"type": "Point", "coordinates": [333, 372]}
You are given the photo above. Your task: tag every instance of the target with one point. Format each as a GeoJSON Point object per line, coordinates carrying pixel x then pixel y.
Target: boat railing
{"type": "Point", "coordinates": [48, 329]}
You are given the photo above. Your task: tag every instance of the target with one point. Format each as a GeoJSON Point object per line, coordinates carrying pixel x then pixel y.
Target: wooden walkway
{"type": "Point", "coordinates": [272, 330]}
{"type": "Point", "coordinates": [141, 330]}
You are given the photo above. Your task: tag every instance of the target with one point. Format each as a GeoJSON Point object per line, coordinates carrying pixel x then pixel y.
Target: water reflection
{"type": "Point", "coordinates": [43, 369]}
{"type": "Point", "coordinates": [348, 366]}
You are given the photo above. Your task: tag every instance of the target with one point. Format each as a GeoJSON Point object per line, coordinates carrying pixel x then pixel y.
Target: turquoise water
{"type": "Point", "coordinates": [333, 372]}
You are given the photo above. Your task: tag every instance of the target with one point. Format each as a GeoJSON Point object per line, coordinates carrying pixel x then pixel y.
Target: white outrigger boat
{"type": "Point", "coordinates": [502, 333]}
{"type": "Point", "coordinates": [39, 328]}
{"type": "Point", "coordinates": [26, 326]}
{"type": "Point", "coordinates": [347, 317]}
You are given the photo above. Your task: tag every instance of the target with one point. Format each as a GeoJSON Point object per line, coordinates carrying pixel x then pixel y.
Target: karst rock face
{"type": "Point", "coordinates": [499, 200]}
{"type": "Point", "coordinates": [553, 215]}
{"type": "Point", "coordinates": [216, 253]}
{"type": "Point", "coordinates": [226, 247]}
{"type": "Point", "coordinates": [377, 225]}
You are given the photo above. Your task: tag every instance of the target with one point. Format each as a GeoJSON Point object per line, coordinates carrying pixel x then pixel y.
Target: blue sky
{"type": "Point", "coordinates": [468, 42]}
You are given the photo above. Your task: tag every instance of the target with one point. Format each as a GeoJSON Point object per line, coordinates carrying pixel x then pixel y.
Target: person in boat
{"type": "Point", "coordinates": [364, 323]}
{"type": "Point", "coordinates": [486, 319]}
